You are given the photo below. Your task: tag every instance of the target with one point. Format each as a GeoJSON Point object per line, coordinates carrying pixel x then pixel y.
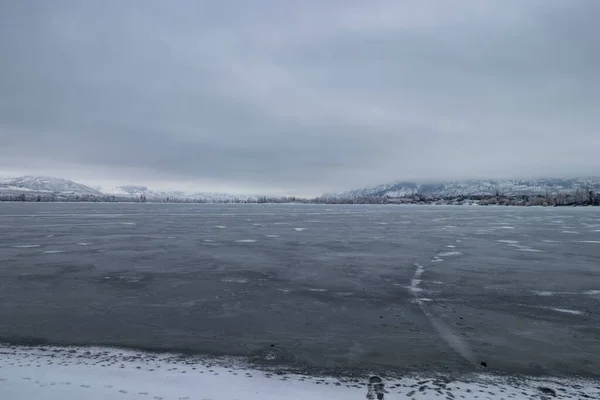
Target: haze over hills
{"type": "Point", "coordinates": [63, 189]}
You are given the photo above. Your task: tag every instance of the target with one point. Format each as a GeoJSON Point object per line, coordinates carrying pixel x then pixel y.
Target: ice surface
{"type": "Point", "coordinates": [188, 290]}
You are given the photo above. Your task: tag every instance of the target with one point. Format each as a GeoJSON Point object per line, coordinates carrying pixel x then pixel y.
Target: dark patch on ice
{"type": "Point", "coordinates": [547, 390]}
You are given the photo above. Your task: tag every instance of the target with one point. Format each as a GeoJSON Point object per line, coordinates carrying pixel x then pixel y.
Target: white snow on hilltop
{"type": "Point", "coordinates": [63, 188]}
{"type": "Point", "coordinates": [43, 184]}
{"type": "Point", "coordinates": [149, 194]}
{"type": "Point", "coordinates": [476, 187]}
{"type": "Point", "coordinates": [54, 373]}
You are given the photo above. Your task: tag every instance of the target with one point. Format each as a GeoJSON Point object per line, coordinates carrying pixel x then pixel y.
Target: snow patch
{"type": "Point", "coordinates": [54, 373]}
{"type": "Point", "coordinates": [234, 280]}
{"type": "Point", "coordinates": [529, 249]}
{"type": "Point", "coordinates": [421, 300]}
{"type": "Point", "coordinates": [416, 280]}
{"type": "Point", "coordinates": [449, 254]}
{"type": "Point", "coordinates": [566, 311]}
{"type": "Point", "coordinates": [525, 248]}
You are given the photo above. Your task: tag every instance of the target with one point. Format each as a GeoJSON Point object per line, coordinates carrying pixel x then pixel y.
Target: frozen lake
{"type": "Point", "coordinates": [334, 289]}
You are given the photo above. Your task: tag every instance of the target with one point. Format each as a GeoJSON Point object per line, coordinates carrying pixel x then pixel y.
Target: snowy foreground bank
{"type": "Point", "coordinates": [53, 373]}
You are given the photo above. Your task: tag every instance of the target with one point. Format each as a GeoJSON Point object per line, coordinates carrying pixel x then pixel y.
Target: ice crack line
{"type": "Point", "coordinates": [445, 332]}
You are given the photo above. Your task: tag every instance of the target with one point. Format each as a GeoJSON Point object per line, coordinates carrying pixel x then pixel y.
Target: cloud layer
{"type": "Point", "coordinates": [298, 97]}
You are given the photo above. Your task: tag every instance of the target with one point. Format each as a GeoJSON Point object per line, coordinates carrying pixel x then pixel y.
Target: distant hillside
{"type": "Point", "coordinates": [475, 188]}
{"type": "Point", "coordinates": [40, 188]}
{"type": "Point", "coordinates": [553, 191]}
{"type": "Point", "coordinates": [152, 195]}
{"type": "Point", "coordinates": [45, 185]}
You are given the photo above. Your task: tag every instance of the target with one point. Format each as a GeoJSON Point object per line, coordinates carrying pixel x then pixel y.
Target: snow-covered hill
{"type": "Point", "coordinates": [135, 191]}
{"type": "Point", "coordinates": [43, 184]}
{"type": "Point", "coordinates": [475, 187]}
{"type": "Point", "coordinates": [139, 191]}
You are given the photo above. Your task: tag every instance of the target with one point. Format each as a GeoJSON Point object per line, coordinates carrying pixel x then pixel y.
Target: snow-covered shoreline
{"type": "Point", "coordinates": [53, 373]}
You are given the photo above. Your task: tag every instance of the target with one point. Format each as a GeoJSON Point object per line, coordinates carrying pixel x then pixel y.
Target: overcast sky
{"type": "Point", "coordinates": [298, 97]}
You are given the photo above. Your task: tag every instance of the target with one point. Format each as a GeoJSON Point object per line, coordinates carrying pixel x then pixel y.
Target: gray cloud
{"type": "Point", "coordinates": [300, 96]}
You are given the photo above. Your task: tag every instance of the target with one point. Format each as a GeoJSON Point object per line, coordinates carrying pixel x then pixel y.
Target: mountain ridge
{"type": "Point", "coordinates": [46, 186]}
{"type": "Point", "coordinates": [475, 187]}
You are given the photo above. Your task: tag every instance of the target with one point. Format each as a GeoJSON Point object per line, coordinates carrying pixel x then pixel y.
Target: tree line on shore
{"type": "Point", "coordinates": [576, 198]}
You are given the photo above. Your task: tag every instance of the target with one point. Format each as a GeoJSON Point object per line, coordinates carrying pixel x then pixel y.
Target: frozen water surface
{"type": "Point", "coordinates": [338, 304]}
